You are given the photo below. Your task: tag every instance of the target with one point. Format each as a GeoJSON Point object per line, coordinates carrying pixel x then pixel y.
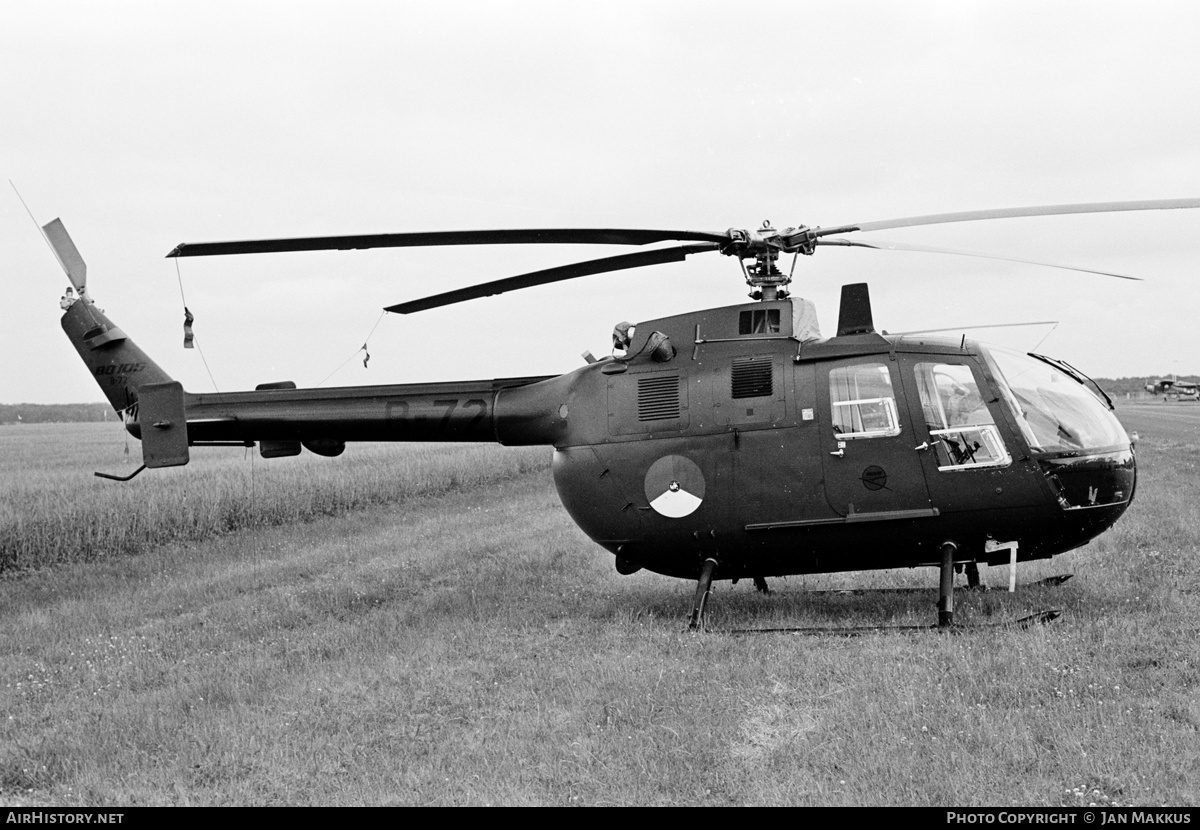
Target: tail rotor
{"type": "Point", "coordinates": [67, 254]}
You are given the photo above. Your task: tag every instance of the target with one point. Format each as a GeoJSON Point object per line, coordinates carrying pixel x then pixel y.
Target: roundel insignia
{"type": "Point", "coordinates": [874, 478]}
{"type": "Point", "coordinates": [674, 486]}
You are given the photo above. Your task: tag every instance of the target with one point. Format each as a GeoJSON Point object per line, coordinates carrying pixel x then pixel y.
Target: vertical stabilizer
{"type": "Point", "coordinates": [114, 361]}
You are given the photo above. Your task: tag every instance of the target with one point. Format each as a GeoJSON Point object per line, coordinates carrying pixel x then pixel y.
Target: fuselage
{"type": "Point", "coordinates": [862, 451]}
{"type": "Point", "coordinates": [735, 433]}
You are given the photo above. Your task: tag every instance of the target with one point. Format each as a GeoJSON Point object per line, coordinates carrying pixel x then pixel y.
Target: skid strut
{"type": "Point", "coordinates": [703, 590]}
{"type": "Point", "coordinates": [946, 588]}
{"type": "Point", "coordinates": [973, 580]}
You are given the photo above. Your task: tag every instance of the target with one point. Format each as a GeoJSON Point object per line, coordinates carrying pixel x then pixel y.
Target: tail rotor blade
{"type": "Point", "coordinates": [67, 253]}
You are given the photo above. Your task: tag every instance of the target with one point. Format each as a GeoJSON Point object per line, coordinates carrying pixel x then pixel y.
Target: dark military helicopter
{"type": "Point", "coordinates": [727, 443]}
{"type": "Point", "coordinates": [1174, 389]}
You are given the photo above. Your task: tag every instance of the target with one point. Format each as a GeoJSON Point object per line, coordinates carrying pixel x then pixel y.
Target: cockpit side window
{"type": "Point", "coordinates": [961, 428]}
{"type": "Point", "coordinates": [862, 402]}
{"type": "Point", "coordinates": [950, 397]}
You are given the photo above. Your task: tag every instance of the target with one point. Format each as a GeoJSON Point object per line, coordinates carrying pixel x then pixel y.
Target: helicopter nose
{"type": "Point", "coordinates": [1104, 479]}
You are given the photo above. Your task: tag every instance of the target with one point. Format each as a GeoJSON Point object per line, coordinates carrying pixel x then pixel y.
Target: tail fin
{"type": "Point", "coordinates": [128, 377]}
{"type": "Point", "coordinates": [118, 365]}
{"type": "Point", "coordinates": [115, 361]}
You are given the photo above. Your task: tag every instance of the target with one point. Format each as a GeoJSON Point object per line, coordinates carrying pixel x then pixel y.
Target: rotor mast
{"type": "Point", "coordinates": [764, 246]}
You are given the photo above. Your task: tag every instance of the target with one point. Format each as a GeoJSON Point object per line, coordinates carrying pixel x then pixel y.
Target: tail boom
{"type": "Point", "coordinates": [281, 418]}
{"type": "Point", "coordinates": [456, 412]}
{"type": "Point", "coordinates": [114, 361]}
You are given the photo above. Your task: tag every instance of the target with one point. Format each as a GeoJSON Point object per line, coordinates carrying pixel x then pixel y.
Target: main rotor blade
{"type": "Point", "coordinates": [563, 272]}
{"type": "Point", "coordinates": [901, 246]}
{"type": "Point", "coordinates": [1009, 213]}
{"type": "Point", "coordinates": [557, 236]}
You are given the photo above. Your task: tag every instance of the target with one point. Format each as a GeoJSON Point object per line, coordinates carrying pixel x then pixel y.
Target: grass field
{"type": "Point", "coordinates": [458, 641]}
{"type": "Point", "coordinates": [54, 511]}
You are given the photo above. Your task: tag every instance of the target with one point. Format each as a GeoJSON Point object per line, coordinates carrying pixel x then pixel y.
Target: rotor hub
{"type": "Point", "coordinates": [763, 247]}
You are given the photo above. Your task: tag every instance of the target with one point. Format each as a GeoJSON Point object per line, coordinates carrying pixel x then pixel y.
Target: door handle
{"type": "Point", "coordinates": [924, 446]}
{"type": "Point", "coordinates": [839, 453]}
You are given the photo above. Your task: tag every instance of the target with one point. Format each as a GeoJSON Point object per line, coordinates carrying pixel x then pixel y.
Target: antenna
{"type": "Point", "coordinates": [56, 236]}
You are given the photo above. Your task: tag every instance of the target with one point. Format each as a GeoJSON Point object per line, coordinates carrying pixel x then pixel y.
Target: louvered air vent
{"type": "Point", "coordinates": [752, 377]}
{"type": "Point", "coordinates": [658, 398]}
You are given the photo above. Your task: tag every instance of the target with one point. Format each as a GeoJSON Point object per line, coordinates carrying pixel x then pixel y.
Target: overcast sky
{"type": "Point", "coordinates": [144, 125]}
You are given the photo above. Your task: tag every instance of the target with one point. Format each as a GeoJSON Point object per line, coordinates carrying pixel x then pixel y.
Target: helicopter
{"type": "Point", "coordinates": [1174, 389]}
{"type": "Point", "coordinates": [719, 444]}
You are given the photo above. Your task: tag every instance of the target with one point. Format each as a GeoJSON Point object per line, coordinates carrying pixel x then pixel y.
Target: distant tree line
{"type": "Point", "coordinates": [50, 413]}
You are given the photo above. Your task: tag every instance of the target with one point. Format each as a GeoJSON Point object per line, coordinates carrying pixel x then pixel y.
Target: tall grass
{"type": "Point", "coordinates": [53, 510]}
{"type": "Point", "coordinates": [472, 647]}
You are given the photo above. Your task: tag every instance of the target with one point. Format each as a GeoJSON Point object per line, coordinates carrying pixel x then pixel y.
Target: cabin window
{"type": "Point", "coordinates": [862, 402]}
{"type": "Point", "coordinates": [961, 428]}
{"type": "Point", "coordinates": [759, 321]}
{"type": "Point", "coordinates": [751, 377]}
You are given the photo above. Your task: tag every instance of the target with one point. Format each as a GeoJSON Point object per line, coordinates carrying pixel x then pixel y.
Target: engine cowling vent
{"type": "Point", "coordinates": [658, 398]}
{"type": "Point", "coordinates": [752, 377]}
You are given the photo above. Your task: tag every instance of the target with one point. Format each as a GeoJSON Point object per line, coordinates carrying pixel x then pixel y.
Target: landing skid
{"type": "Point", "coordinates": [1048, 582]}
{"type": "Point", "coordinates": [703, 592]}
{"type": "Point", "coordinates": [945, 605]}
{"type": "Point", "coordinates": [1028, 621]}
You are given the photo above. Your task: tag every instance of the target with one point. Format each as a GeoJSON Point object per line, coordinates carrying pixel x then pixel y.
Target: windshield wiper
{"type": "Point", "coordinates": [1076, 375]}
